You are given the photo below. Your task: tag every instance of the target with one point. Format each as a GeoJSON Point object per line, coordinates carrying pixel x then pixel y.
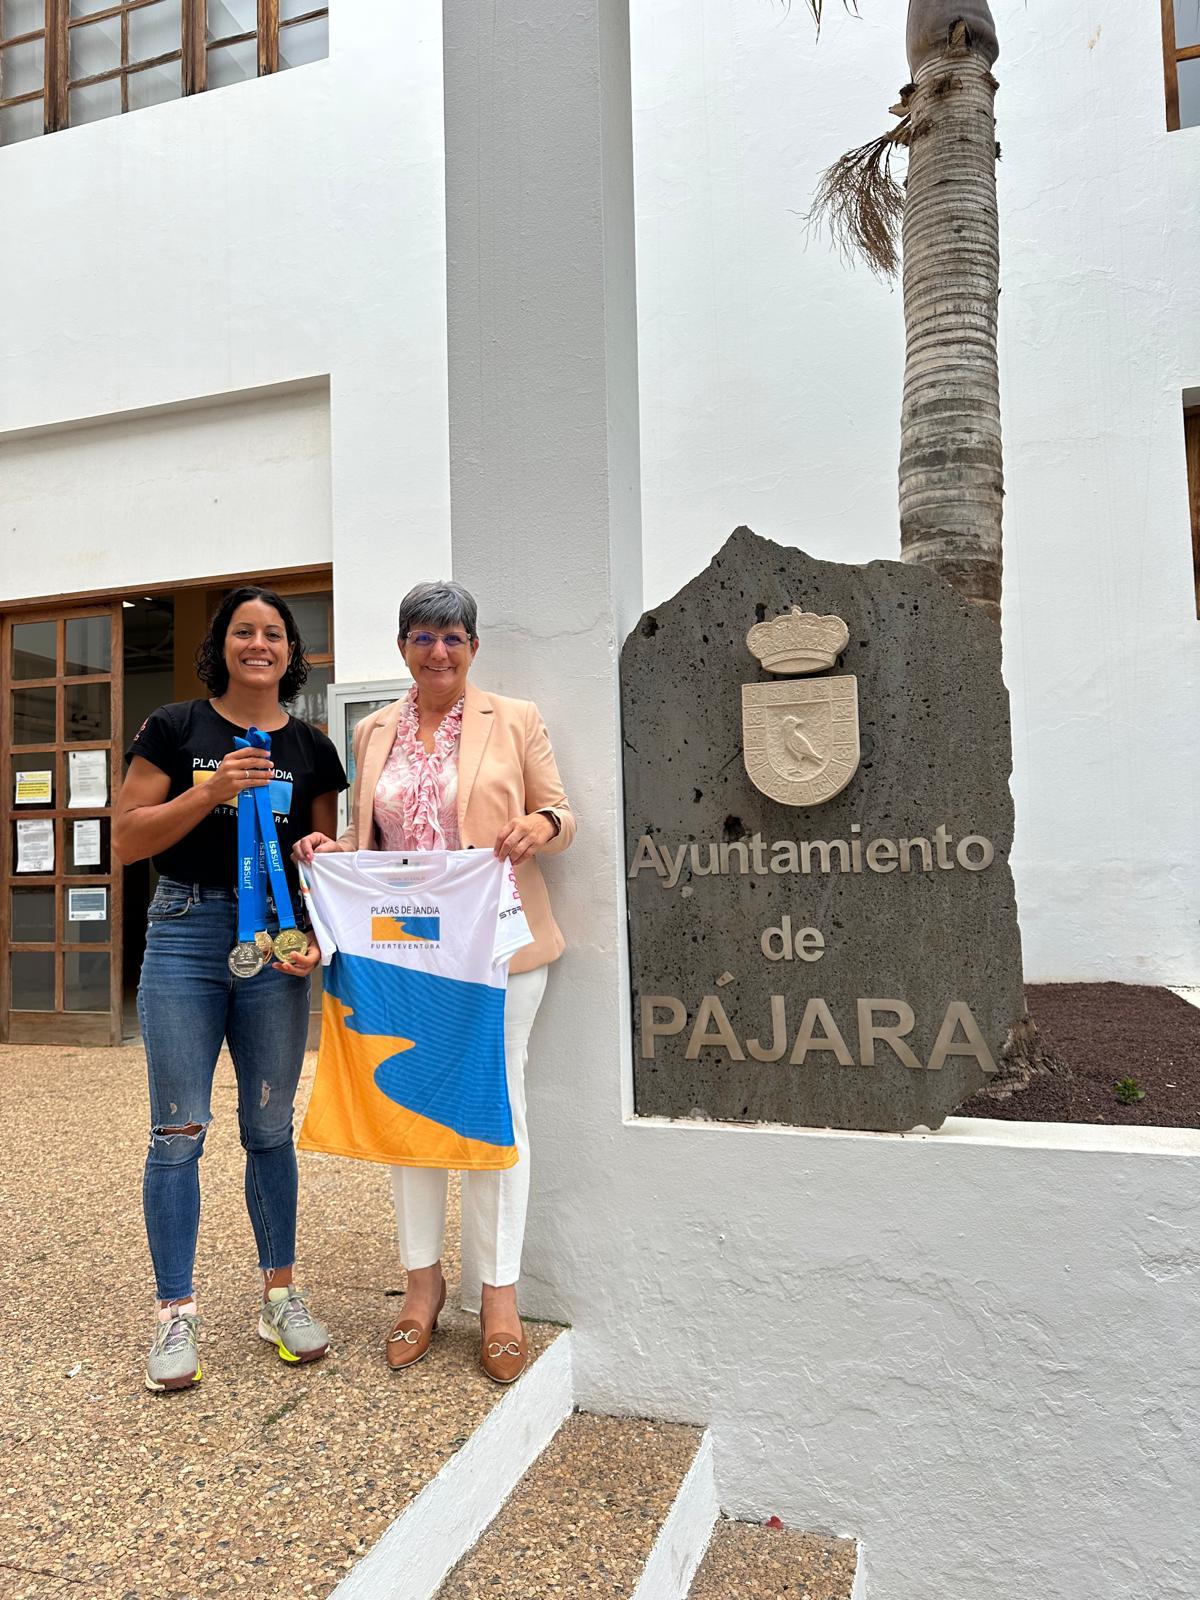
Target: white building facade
{"type": "Point", "coordinates": [283, 328]}
{"type": "Point", "coordinates": [249, 375]}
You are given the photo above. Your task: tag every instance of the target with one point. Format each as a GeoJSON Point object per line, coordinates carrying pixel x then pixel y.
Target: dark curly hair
{"type": "Point", "coordinates": [210, 657]}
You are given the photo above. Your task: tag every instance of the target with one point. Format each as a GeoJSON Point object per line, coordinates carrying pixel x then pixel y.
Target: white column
{"type": "Point", "coordinates": [545, 504]}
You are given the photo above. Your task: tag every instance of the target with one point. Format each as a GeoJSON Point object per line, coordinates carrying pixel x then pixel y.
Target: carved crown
{"type": "Point", "coordinates": [798, 641]}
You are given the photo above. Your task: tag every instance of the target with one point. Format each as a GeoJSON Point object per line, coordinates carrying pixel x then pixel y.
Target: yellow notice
{"type": "Point", "coordinates": [33, 788]}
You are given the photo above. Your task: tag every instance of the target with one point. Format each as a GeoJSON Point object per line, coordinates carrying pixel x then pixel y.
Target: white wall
{"type": "Point", "coordinates": [143, 497]}
{"type": "Point", "coordinates": [277, 230]}
{"type": "Point", "coordinates": [770, 382]}
{"type": "Point", "coordinates": [975, 1351]}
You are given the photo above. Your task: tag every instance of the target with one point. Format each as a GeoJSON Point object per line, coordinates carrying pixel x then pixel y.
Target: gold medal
{"type": "Point", "coordinates": [289, 941]}
{"type": "Point", "coordinates": [266, 945]}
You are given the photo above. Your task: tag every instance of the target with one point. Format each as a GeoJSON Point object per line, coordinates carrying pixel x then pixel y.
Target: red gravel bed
{"type": "Point", "coordinates": [1099, 1033]}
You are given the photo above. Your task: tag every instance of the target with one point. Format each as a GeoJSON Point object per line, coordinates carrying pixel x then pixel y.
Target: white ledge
{"type": "Point", "coordinates": [990, 1132]}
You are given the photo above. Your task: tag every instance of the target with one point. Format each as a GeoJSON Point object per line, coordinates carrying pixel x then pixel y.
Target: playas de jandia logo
{"type": "Point", "coordinates": [391, 929]}
{"type": "Point", "coordinates": [800, 739]}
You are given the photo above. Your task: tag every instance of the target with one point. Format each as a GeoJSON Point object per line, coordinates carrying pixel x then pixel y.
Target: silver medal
{"type": "Point", "coordinates": [245, 959]}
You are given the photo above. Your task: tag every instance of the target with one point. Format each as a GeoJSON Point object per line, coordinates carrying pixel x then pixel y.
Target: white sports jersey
{"type": "Point", "coordinates": [416, 946]}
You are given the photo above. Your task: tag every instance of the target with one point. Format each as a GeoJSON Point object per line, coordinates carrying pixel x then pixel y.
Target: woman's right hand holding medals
{"type": "Point", "coordinates": [239, 770]}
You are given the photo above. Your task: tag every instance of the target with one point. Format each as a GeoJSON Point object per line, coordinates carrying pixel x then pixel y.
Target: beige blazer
{"type": "Point", "coordinates": [506, 769]}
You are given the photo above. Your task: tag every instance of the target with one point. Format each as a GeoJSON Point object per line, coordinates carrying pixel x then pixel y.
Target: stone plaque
{"type": "Point", "coordinates": [823, 929]}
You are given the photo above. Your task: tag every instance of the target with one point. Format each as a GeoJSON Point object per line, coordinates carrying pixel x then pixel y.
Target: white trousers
{"type": "Point", "coordinates": [493, 1203]}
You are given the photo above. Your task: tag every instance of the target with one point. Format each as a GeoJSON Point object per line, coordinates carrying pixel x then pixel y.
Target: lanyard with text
{"type": "Point", "coordinates": [259, 856]}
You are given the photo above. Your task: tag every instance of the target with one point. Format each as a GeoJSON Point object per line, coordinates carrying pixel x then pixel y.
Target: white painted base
{"type": "Point", "coordinates": [683, 1537]}
{"type": "Point", "coordinates": [858, 1589]}
{"type": "Point", "coordinates": [453, 1509]}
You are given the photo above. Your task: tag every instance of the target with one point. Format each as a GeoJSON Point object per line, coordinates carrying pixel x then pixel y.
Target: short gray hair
{"type": "Point", "coordinates": [443, 605]}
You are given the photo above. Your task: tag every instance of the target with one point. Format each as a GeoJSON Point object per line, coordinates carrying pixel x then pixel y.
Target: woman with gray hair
{"type": "Point", "coordinates": [452, 767]}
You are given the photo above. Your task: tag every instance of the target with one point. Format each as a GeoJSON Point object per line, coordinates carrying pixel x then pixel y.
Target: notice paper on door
{"type": "Point", "coordinates": [89, 778]}
{"type": "Point", "coordinates": [35, 844]}
{"type": "Point", "coordinates": [33, 788]}
{"type": "Point", "coordinates": [87, 905]}
{"type": "Point", "coordinates": [87, 843]}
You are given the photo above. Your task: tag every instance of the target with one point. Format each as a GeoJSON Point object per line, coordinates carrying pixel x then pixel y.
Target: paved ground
{"type": "Point", "coordinates": [265, 1479]}
{"type": "Point", "coordinates": [750, 1561]}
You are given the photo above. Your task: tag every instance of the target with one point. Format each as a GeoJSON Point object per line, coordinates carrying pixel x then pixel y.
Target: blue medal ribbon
{"type": "Point", "coordinates": [257, 740]}
{"type": "Point", "coordinates": [251, 887]}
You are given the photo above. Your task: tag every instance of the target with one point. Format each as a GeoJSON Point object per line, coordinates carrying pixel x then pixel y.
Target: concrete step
{"type": "Point", "coordinates": [751, 1561]}
{"type": "Point", "coordinates": [613, 1506]}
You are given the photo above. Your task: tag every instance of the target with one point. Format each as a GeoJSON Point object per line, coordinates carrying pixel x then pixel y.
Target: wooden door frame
{"type": "Point", "coordinates": [61, 1026]}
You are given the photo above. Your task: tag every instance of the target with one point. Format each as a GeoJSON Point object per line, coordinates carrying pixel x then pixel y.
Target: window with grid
{"type": "Point", "coordinates": [1181, 61]}
{"type": "Point", "coordinates": [67, 62]}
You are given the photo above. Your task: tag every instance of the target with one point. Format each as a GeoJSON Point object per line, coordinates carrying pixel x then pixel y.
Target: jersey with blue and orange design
{"type": "Point", "coordinates": [415, 947]}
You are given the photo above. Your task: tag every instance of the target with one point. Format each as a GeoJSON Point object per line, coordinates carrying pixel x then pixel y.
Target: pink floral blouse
{"type": "Point", "coordinates": [416, 801]}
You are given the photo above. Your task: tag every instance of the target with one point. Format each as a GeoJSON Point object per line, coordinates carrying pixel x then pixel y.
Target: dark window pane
{"type": "Point", "coordinates": [23, 16]}
{"type": "Point", "coordinates": [311, 612]}
{"type": "Point", "coordinates": [33, 716]}
{"type": "Point", "coordinates": [155, 86]}
{"type": "Point", "coordinates": [80, 922]}
{"type": "Point", "coordinates": [1187, 23]}
{"type": "Point", "coordinates": [33, 858]}
{"type": "Point", "coordinates": [32, 975]}
{"type": "Point", "coordinates": [1189, 94]}
{"type": "Point", "coordinates": [89, 645]}
{"type": "Point", "coordinates": [29, 781]}
{"type": "Point", "coordinates": [85, 980]}
{"type": "Point", "coordinates": [305, 42]}
{"type": "Point", "coordinates": [93, 104]}
{"type": "Point", "coordinates": [22, 68]}
{"type": "Point", "coordinates": [25, 121]}
{"type": "Point", "coordinates": [311, 703]}
{"type": "Point", "coordinates": [34, 651]}
{"type": "Point", "coordinates": [79, 846]}
{"type": "Point", "coordinates": [32, 916]}
{"type": "Point", "coordinates": [229, 17]}
{"type": "Point", "coordinates": [154, 31]}
{"type": "Point", "coordinates": [87, 711]}
{"type": "Point", "coordinates": [233, 63]}
{"type": "Point", "coordinates": [95, 47]}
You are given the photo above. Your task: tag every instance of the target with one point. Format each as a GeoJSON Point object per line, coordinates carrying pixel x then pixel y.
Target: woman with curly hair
{"type": "Point", "coordinates": [179, 805]}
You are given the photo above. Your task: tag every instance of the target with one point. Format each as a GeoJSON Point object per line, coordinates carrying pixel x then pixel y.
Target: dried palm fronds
{"type": "Point", "coordinates": [816, 7]}
{"type": "Point", "coordinates": [862, 204]}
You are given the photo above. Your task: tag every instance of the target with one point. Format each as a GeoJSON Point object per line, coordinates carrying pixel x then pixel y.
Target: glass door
{"type": "Point", "coordinates": [60, 755]}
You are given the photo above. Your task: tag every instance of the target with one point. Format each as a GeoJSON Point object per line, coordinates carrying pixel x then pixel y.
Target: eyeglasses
{"type": "Point", "coordinates": [426, 641]}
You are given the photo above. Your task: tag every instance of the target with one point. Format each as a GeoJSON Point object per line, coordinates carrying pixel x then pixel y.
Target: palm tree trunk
{"type": "Point", "coordinates": [951, 469]}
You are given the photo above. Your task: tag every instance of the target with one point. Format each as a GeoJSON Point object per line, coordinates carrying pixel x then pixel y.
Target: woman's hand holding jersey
{"type": "Point", "coordinates": [312, 844]}
{"type": "Point", "coordinates": [523, 837]}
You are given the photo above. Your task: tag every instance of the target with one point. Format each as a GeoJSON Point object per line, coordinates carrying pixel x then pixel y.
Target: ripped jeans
{"type": "Point", "coordinates": [189, 1003]}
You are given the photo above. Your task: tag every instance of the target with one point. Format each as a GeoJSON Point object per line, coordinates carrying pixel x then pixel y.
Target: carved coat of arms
{"type": "Point", "coordinates": [800, 739]}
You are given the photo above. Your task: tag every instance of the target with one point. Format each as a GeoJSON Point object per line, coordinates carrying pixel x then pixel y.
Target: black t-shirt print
{"type": "Point", "coordinates": [188, 740]}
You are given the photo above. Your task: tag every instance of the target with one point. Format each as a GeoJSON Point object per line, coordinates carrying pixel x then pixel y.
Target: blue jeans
{"type": "Point", "coordinates": [188, 1004]}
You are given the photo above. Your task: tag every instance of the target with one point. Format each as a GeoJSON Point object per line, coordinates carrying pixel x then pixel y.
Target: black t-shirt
{"type": "Point", "coordinates": [187, 741]}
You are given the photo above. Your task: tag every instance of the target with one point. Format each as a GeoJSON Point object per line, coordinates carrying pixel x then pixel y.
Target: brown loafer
{"type": "Point", "coordinates": [504, 1356]}
{"type": "Point", "coordinates": [409, 1340]}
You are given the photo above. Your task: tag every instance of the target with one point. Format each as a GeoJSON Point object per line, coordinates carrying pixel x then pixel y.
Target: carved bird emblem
{"type": "Point", "coordinates": [799, 748]}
